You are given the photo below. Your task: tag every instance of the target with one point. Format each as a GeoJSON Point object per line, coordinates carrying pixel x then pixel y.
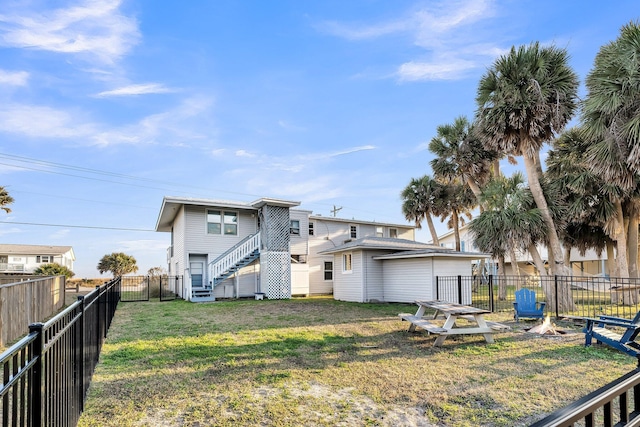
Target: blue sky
{"type": "Point", "coordinates": [106, 106]}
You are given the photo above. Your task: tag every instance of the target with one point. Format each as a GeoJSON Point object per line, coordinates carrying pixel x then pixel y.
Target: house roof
{"type": "Point", "coordinates": [35, 250]}
{"type": "Point", "coordinates": [357, 221]}
{"type": "Point", "coordinates": [433, 252]}
{"type": "Point", "coordinates": [171, 205]}
{"type": "Point", "coordinates": [384, 243]}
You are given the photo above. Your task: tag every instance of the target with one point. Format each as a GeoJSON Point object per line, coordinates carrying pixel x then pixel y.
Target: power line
{"type": "Point", "coordinates": [44, 163]}
{"type": "Point", "coordinates": [76, 226]}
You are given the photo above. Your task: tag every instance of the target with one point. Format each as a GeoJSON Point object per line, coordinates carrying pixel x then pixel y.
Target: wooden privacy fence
{"type": "Point", "coordinates": [28, 302]}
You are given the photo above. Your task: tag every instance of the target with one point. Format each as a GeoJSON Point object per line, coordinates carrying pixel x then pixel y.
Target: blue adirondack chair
{"type": "Point", "coordinates": [623, 339]}
{"type": "Point", "coordinates": [526, 305]}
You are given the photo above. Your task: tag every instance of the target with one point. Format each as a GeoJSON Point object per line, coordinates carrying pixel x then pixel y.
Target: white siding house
{"type": "Point", "coordinates": [24, 259]}
{"type": "Point", "coordinates": [316, 255]}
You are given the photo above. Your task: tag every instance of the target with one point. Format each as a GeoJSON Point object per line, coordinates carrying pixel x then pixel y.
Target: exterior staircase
{"type": "Point", "coordinates": [240, 255]}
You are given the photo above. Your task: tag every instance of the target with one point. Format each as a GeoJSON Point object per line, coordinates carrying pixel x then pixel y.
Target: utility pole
{"type": "Point", "coordinates": [335, 210]}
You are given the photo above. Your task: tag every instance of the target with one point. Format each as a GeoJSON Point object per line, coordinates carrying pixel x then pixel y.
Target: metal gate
{"type": "Point", "coordinates": [134, 288]}
{"type": "Point", "coordinates": [170, 288]}
{"type": "Point", "coordinates": [145, 288]}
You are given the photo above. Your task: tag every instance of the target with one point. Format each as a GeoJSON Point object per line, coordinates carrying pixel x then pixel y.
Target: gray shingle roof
{"type": "Point", "coordinates": [385, 243]}
{"type": "Point", "coordinates": [34, 249]}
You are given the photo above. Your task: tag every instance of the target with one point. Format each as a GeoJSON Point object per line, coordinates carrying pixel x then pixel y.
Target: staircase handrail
{"type": "Point", "coordinates": [232, 256]}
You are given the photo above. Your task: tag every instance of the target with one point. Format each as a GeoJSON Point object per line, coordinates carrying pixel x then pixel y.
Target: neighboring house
{"type": "Point", "coordinates": [24, 259]}
{"type": "Point", "coordinates": [227, 249]}
{"type": "Point", "coordinates": [589, 264]}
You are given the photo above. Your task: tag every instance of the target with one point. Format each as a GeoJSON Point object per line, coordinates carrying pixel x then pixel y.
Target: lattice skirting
{"type": "Point", "coordinates": [275, 235]}
{"type": "Point", "coordinates": [275, 274]}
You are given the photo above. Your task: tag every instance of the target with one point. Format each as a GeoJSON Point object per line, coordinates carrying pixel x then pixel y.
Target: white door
{"type": "Point", "coordinates": [196, 268]}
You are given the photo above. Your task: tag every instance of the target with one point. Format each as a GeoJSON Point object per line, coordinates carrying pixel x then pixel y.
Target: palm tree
{"type": "Point", "coordinates": [420, 200]}
{"type": "Point", "coordinates": [5, 199]}
{"type": "Point", "coordinates": [526, 98]}
{"type": "Point", "coordinates": [460, 154]}
{"type": "Point", "coordinates": [588, 199]}
{"type": "Point", "coordinates": [509, 222]}
{"type": "Point", "coordinates": [455, 205]}
{"type": "Point", "coordinates": [611, 122]}
{"type": "Point", "coordinates": [118, 264]}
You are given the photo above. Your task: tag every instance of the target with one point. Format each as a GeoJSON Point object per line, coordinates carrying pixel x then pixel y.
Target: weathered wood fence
{"type": "Point", "coordinates": [27, 302]}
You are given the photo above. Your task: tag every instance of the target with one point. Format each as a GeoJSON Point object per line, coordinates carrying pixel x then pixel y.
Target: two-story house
{"type": "Point", "coordinates": [227, 249]}
{"type": "Point", "coordinates": [24, 259]}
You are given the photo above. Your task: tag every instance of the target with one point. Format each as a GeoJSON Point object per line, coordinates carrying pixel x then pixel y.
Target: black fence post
{"type": "Point", "coordinates": [491, 303]}
{"type": "Point", "coordinates": [459, 289]}
{"type": "Point", "coordinates": [35, 408]}
{"type": "Point", "coordinates": [437, 288]}
{"type": "Point", "coordinates": [81, 355]}
{"type": "Point", "coordinates": [555, 277]}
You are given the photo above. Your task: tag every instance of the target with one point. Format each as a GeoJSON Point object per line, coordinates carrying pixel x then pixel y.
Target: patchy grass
{"type": "Point", "coordinates": [327, 363]}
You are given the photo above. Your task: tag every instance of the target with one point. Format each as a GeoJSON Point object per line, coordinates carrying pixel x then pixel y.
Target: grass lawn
{"type": "Point", "coordinates": [320, 362]}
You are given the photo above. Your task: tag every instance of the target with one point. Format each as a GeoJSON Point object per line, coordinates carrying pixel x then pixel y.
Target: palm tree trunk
{"type": "Point", "coordinates": [633, 246]}
{"type": "Point", "coordinates": [536, 191]}
{"type": "Point", "coordinates": [567, 259]}
{"type": "Point", "coordinates": [514, 262]}
{"type": "Point", "coordinates": [495, 170]}
{"type": "Point", "coordinates": [537, 259]}
{"type": "Point", "coordinates": [456, 228]}
{"type": "Point", "coordinates": [502, 279]}
{"type": "Point", "coordinates": [620, 236]}
{"type": "Point", "coordinates": [432, 230]}
{"type": "Point", "coordinates": [474, 188]}
{"type": "Point", "coordinates": [611, 265]}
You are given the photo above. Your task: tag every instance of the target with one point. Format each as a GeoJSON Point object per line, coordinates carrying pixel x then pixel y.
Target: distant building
{"type": "Point", "coordinates": [24, 259]}
{"type": "Point", "coordinates": [227, 249]}
{"type": "Point", "coordinates": [589, 264]}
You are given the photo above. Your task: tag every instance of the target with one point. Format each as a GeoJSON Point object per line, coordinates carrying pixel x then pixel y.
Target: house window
{"type": "Point", "coordinates": [393, 233]}
{"type": "Point", "coordinates": [44, 258]}
{"type": "Point", "coordinates": [299, 259]}
{"type": "Point", "coordinates": [311, 229]}
{"type": "Point", "coordinates": [353, 231]}
{"type": "Point", "coordinates": [328, 270]}
{"type": "Point", "coordinates": [379, 231]}
{"type": "Point", "coordinates": [217, 221]}
{"type": "Point", "coordinates": [294, 227]}
{"type": "Point", "coordinates": [214, 222]}
{"type": "Point", "coordinates": [347, 266]}
{"type": "Point", "coordinates": [230, 223]}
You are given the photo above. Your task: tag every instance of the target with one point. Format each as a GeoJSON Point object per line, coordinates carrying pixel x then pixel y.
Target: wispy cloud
{"type": "Point", "coordinates": [13, 78]}
{"type": "Point", "coordinates": [42, 122]}
{"type": "Point", "coordinates": [453, 69]}
{"type": "Point", "coordinates": [175, 127]}
{"type": "Point", "coordinates": [170, 127]}
{"type": "Point", "coordinates": [445, 30]}
{"type": "Point", "coordinates": [95, 28]}
{"type": "Point", "coordinates": [352, 150]}
{"type": "Point", "coordinates": [290, 126]}
{"type": "Point", "coordinates": [244, 153]}
{"type": "Point", "coordinates": [138, 89]}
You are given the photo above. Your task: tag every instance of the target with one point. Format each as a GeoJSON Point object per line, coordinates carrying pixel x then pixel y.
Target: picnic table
{"type": "Point", "coordinates": [476, 324]}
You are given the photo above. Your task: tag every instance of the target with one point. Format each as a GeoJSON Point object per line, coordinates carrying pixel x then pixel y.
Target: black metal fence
{"type": "Point", "coordinates": [144, 288]}
{"type": "Point", "coordinates": [589, 296]}
{"type": "Point", "coordinates": [46, 375]}
{"type": "Point", "coordinates": [171, 287]}
{"type": "Point", "coordinates": [615, 404]}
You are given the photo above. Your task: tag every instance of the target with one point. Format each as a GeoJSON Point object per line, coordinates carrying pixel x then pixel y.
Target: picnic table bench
{"type": "Point", "coordinates": [452, 312]}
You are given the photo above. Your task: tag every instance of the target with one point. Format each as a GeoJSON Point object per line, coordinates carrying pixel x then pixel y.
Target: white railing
{"type": "Point", "coordinates": [233, 256]}
{"type": "Point", "coordinates": [11, 267]}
